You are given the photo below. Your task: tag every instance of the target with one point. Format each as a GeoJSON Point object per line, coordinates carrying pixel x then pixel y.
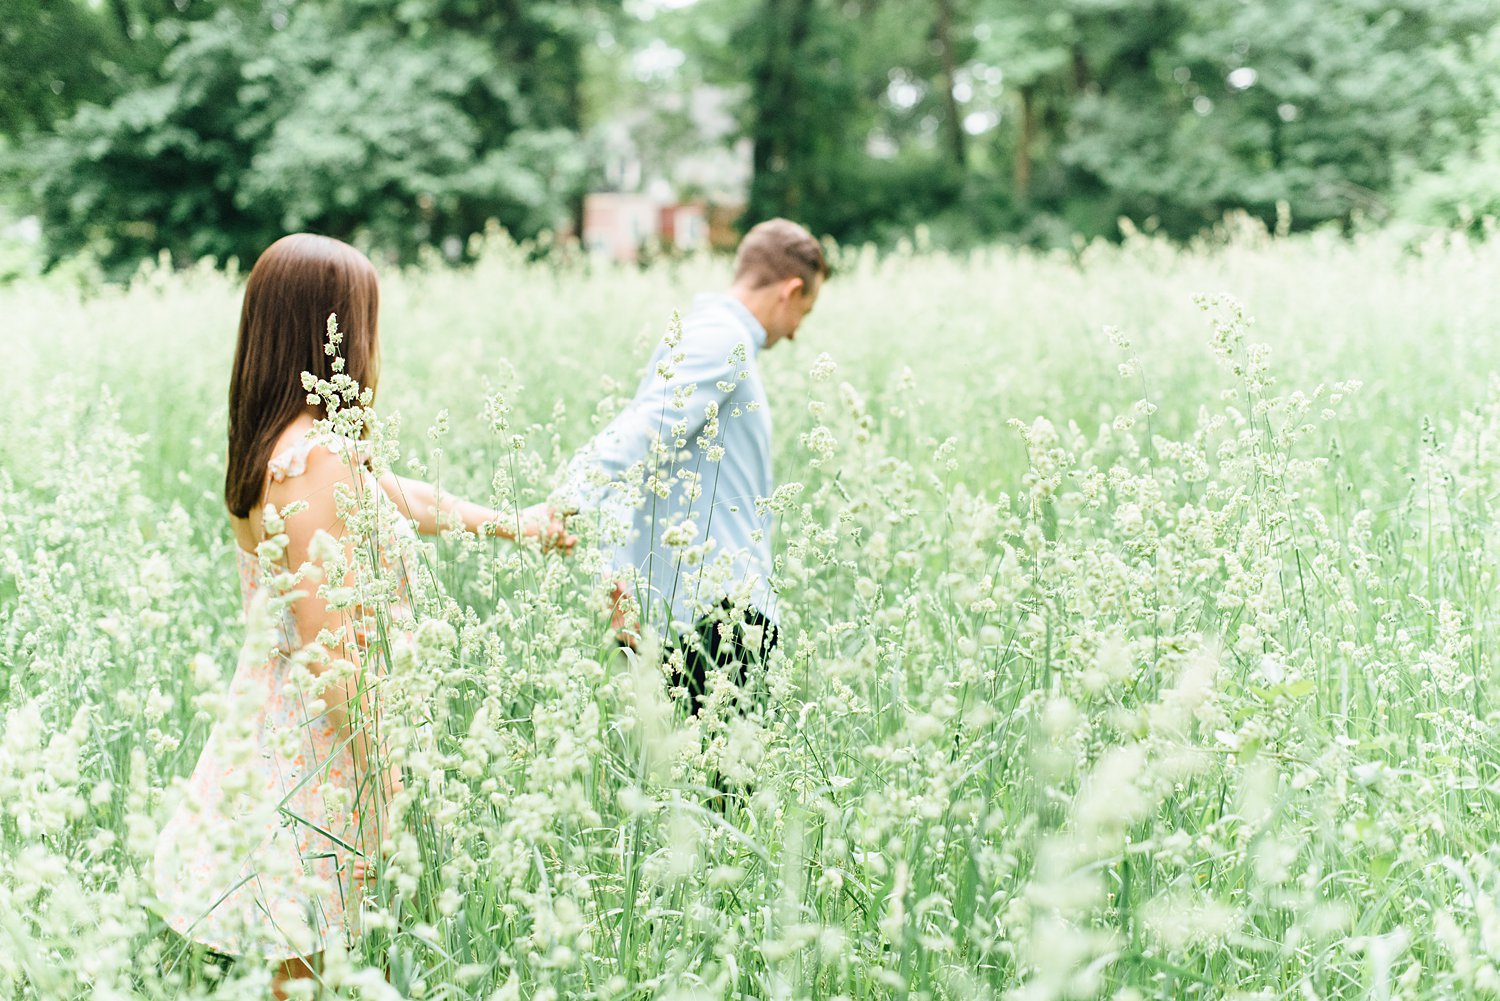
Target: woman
{"type": "Point", "coordinates": [267, 853]}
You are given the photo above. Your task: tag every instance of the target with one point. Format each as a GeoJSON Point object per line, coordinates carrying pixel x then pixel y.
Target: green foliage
{"type": "Point", "coordinates": [397, 130]}
{"type": "Point", "coordinates": [800, 98]}
{"type": "Point", "coordinates": [1259, 104]}
{"type": "Point", "coordinates": [53, 54]}
{"type": "Point", "coordinates": [1462, 187]}
{"type": "Point", "coordinates": [1463, 192]}
{"type": "Point", "coordinates": [210, 128]}
{"type": "Point", "coordinates": [830, 146]}
{"type": "Point", "coordinates": [1186, 110]}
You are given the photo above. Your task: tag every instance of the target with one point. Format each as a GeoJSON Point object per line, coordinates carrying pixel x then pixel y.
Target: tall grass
{"type": "Point", "coordinates": [1132, 647]}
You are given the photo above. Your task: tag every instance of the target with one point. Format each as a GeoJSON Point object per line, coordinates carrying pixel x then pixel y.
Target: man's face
{"type": "Point", "coordinates": [795, 301]}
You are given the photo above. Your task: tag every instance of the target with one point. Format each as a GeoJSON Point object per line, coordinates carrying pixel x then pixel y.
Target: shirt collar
{"type": "Point", "coordinates": [747, 319]}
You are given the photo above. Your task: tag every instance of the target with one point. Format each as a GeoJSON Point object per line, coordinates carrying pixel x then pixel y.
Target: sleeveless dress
{"type": "Point", "coordinates": [255, 859]}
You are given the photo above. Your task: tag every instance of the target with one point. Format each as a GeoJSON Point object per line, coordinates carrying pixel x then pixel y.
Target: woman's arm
{"type": "Point", "coordinates": [318, 548]}
{"type": "Point", "coordinates": [433, 510]}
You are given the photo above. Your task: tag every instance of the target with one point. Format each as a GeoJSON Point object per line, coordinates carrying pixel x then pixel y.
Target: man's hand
{"type": "Point", "coordinates": [624, 619]}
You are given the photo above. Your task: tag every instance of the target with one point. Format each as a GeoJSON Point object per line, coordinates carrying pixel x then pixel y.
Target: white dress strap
{"type": "Point", "coordinates": [292, 460]}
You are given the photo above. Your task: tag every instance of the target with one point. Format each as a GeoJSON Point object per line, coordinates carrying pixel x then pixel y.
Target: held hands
{"type": "Point", "coordinates": [545, 523]}
{"type": "Point", "coordinates": [542, 522]}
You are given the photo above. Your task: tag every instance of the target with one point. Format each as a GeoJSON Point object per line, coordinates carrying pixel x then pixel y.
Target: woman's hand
{"type": "Point", "coordinates": [544, 523]}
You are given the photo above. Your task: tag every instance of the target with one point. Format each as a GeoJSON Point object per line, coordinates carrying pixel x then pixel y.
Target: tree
{"type": "Point", "coordinates": [396, 127]}
{"type": "Point", "coordinates": [799, 109]}
{"type": "Point", "coordinates": [1457, 183]}
{"type": "Point", "coordinates": [850, 108]}
{"type": "Point", "coordinates": [54, 54]}
{"type": "Point", "coordinates": [209, 128]}
{"type": "Point", "coordinates": [945, 39]}
{"type": "Point", "coordinates": [1260, 104]}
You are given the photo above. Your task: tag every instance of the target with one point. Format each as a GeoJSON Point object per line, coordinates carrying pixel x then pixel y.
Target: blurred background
{"type": "Point", "coordinates": [632, 129]}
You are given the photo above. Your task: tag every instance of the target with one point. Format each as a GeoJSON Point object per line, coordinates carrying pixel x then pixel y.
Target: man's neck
{"type": "Point", "coordinates": [754, 299]}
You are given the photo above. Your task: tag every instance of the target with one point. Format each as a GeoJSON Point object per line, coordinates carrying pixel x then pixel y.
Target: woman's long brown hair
{"type": "Point", "coordinates": [293, 287]}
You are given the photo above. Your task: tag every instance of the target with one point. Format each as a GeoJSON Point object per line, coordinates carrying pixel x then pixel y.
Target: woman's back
{"type": "Point", "coordinates": [257, 857]}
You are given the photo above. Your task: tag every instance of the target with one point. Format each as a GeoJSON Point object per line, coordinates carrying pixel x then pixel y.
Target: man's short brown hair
{"type": "Point", "coordinates": [778, 249]}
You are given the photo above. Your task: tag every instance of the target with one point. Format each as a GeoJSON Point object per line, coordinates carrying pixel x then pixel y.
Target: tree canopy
{"type": "Point", "coordinates": [399, 126]}
{"type": "Point", "coordinates": [208, 129]}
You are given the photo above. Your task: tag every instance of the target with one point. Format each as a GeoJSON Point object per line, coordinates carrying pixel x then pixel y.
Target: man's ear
{"type": "Point", "coordinates": [793, 286]}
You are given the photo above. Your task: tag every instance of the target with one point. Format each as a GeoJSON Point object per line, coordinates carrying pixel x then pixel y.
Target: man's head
{"type": "Point", "coordinates": [778, 272]}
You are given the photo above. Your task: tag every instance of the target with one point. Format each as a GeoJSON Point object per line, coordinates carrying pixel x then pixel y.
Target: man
{"type": "Point", "coordinates": [679, 476]}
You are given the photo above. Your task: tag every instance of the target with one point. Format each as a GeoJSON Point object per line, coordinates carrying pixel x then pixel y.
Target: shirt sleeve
{"type": "Point", "coordinates": [677, 405]}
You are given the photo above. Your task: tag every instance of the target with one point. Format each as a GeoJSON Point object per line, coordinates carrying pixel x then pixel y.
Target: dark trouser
{"type": "Point", "coordinates": [706, 648]}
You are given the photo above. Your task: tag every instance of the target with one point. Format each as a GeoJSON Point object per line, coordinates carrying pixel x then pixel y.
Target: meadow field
{"type": "Point", "coordinates": [1138, 637]}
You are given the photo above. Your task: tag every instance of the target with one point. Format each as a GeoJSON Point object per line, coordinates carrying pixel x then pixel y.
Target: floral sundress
{"type": "Point", "coordinates": [255, 859]}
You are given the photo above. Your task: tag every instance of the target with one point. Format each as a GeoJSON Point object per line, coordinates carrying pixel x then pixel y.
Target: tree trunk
{"type": "Point", "coordinates": [763, 137]}
{"type": "Point", "coordinates": [122, 18]}
{"type": "Point", "coordinates": [1022, 177]}
{"type": "Point", "coordinates": [955, 124]}
{"type": "Point", "coordinates": [574, 117]}
{"type": "Point", "coordinates": [781, 136]}
{"type": "Point", "coordinates": [1080, 70]}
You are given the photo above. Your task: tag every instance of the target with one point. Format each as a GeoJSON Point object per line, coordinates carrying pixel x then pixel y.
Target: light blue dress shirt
{"type": "Point", "coordinates": [677, 475]}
